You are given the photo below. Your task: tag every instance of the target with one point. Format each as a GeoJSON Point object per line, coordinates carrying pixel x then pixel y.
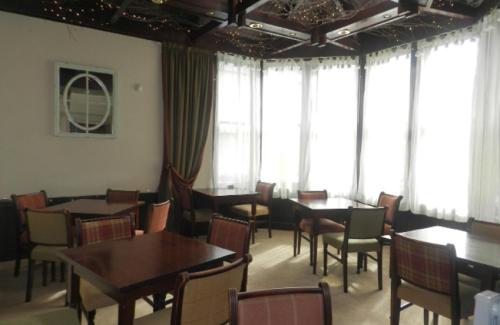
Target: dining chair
{"type": "Point", "coordinates": [49, 232]}
{"type": "Point", "coordinates": [305, 224]}
{"type": "Point", "coordinates": [425, 274]}
{"type": "Point", "coordinates": [93, 231]}
{"type": "Point", "coordinates": [362, 234]}
{"type": "Point", "coordinates": [157, 218]}
{"type": "Point", "coordinates": [263, 208]}
{"type": "Point", "coordinates": [65, 316]}
{"type": "Point", "coordinates": [299, 306]}
{"type": "Point", "coordinates": [22, 202]}
{"type": "Point", "coordinates": [201, 298]}
{"type": "Point", "coordinates": [125, 196]}
{"type": "Point", "coordinates": [183, 199]}
{"type": "Point", "coordinates": [392, 203]}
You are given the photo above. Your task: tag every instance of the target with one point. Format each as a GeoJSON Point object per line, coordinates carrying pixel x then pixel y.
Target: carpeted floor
{"type": "Point", "coordinates": [273, 266]}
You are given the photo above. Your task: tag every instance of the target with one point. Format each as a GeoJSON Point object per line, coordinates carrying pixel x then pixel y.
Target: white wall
{"type": "Point", "coordinates": [31, 157]}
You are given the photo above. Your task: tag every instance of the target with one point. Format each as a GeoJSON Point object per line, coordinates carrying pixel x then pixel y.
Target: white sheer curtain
{"type": "Point", "coordinates": [281, 124]}
{"type": "Point", "coordinates": [333, 127]}
{"type": "Point", "coordinates": [237, 122]}
{"type": "Point", "coordinates": [384, 147]}
{"type": "Point", "coordinates": [439, 176]}
{"type": "Point", "coordinates": [485, 142]}
{"type": "Point", "coordinates": [309, 125]}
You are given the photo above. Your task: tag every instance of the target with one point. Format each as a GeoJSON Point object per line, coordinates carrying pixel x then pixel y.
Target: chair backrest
{"type": "Point", "coordinates": [365, 223]}
{"type": "Point", "coordinates": [230, 234]}
{"type": "Point", "coordinates": [299, 306]}
{"type": "Point", "coordinates": [93, 231]}
{"type": "Point", "coordinates": [312, 195]}
{"type": "Point", "coordinates": [52, 228]}
{"type": "Point", "coordinates": [122, 196]}
{"type": "Point", "coordinates": [22, 202]}
{"type": "Point", "coordinates": [158, 217]}
{"type": "Point", "coordinates": [265, 191]}
{"type": "Point", "coordinates": [484, 229]}
{"type": "Point", "coordinates": [391, 202]}
{"type": "Point", "coordinates": [426, 265]}
{"type": "Point", "coordinates": [202, 298]}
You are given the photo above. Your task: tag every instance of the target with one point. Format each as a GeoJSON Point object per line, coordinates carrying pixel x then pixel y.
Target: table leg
{"type": "Point", "coordinates": [126, 310]}
{"type": "Point", "coordinates": [254, 220]}
{"type": "Point", "coordinates": [73, 291]}
{"type": "Point", "coordinates": [159, 301]}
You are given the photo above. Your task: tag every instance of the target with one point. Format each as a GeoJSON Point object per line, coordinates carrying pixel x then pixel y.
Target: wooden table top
{"type": "Point", "coordinates": [469, 247]}
{"type": "Point", "coordinates": [94, 207]}
{"type": "Point", "coordinates": [218, 192]}
{"type": "Point", "coordinates": [119, 266]}
{"type": "Point", "coordinates": [329, 204]}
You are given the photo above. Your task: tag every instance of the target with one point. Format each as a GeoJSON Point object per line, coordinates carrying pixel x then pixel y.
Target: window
{"type": "Point", "coordinates": [442, 130]}
{"type": "Point", "coordinates": [237, 122]}
{"type": "Point", "coordinates": [384, 146]}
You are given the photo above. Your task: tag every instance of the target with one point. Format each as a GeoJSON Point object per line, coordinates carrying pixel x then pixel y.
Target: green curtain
{"type": "Point", "coordinates": [188, 99]}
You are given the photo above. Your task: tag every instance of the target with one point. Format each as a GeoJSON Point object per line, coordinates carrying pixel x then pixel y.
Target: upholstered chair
{"type": "Point", "coordinates": [22, 202]}
{"type": "Point", "coordinates": [66, 316]}
{"type": "Point", "coordinates": [304, 224]}
{"type": "Point", "coordinates": [363, 231]}
{"type": "Point", "coordinates": [201, 298]}
{"type": "Point", "coordinates": [391, 202]}
{"type": "Point", "coordinates": [263, 208]}
{"type": "Point", "coordinates": [157, 218]}
{"type": "Point", "coordinates": [94, 231]}
{"type": "Point", "coordinates": [299, 306]}
{"type": "Point", "coordinates": [425, 275]}
{"type": "Point", "coordinates": [49, 232]}
{"type": "Point", "coordinates": [125, 196]}
{"type": "Point", "coordinates": [183, 198]}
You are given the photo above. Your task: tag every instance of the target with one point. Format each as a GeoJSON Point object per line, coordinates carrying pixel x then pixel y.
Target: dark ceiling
{"type": "Point", "coordinates": [266, 28]}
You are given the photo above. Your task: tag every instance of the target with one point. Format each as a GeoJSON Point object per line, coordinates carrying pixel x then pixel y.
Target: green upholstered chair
{"type": "Point", "coordinates": [363, 231]}
{"type": "Point", "coordinates": [64, 316]}
{"type": "Point", "coordinates": [49, 232]}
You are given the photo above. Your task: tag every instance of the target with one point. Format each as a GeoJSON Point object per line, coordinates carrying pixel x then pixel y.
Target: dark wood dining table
{"type": "Point", "coordinates": [215, 198]}
{"type": "Point", "coordinates": [477, 256]}
{"type": "Point", "coordinates": [91, 208]}
{"type": "Point", "coordinates": [333, 208]}
{"type": "Point", "coordinates": [127, 270]}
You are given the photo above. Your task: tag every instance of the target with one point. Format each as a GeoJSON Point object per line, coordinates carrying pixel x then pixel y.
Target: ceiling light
{"type": "Point", "coordinates": [256, 25]}
{"type": "Point", "coordinates": [344, 32]}
{"type": "Point", "coordinates": [158, 2]}
{"type": "Point", "coordinates": [386, 16]}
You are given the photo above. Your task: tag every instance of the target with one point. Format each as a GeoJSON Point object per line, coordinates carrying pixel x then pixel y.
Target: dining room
{"type": "Point", "coordinates": [249, 162]}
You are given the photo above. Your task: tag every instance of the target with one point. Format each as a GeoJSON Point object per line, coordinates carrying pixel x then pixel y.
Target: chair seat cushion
{"type": "Point", "coordinates": [92, 297]}
{"type": "Point", "coordinates": [47, 253]}
{"type": "Point", "coordinates": [64, 316]}
{"type": "Point", "coordinates": [200, 215]}
{"type": "Point", "coordinates": [246, 210]}
{"type": "Point", "coordinates": [355, 245]}
{"type": "Point", "coordinates": [161, 317]}
{"type": "Point", "coordinates": [387, 229]}
{"type": "Point", "coordinates": [139, 232]}
{"type": "Point", "coordinates": [437, 302]}
{"type": "Point", "coordinates": [324, 226]}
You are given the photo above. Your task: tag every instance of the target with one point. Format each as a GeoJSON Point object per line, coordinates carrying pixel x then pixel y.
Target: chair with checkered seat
{"type": "Point", "coordinates": [94, 231]}
{"type": "Point", "coordinates": [425, 274]}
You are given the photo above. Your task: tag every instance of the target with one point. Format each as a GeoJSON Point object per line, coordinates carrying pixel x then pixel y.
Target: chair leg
{"type": "Point", "coordinates": [325, 259]}
{"type": "Point", "coordinates": [29, 284]}
{"type": "Point", "coordinates": [269, 226]}
{"type": "Point", "coordinates": [53, 271]}
{"type": "Point", "coordinates": [44, 273]}
{"type": "Point", "coordinates": [91, 317]}
{"type": "Point", "coordinates": [254, 230]}
{"type": "Point", "coordinates": [17, 266]}
{"type": "Point", "coordinates": [315, 253]}
{"type": "Point", "coordinates": [366, 262]}
{"type": "Point", "coordinates": [62, 270]}
{"type": "Point", "coordinates": [426, 317]}
{"type": "Point", "coordinates": [294, 243]}
{"type": "Point", "coordinates": [299, 241]}
{"type": "Point", "coordinates": [344, 269]}
{"type": "Point", "coordinates": [435, 319]}
{"type": "Point", "coordinates": [360, 262]}
{"type": "Point", "coordinates": [395, 308]}
{"type": "Point", "coordinates": [379, 268]}
{"type": "Point", "coordinates": [310, 249]}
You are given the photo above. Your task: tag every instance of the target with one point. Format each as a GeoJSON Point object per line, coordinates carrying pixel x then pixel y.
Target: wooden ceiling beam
{"type": "Point", "coordinates": [120, 11]}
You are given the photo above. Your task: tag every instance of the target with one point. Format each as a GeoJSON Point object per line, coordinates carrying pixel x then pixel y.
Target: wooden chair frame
{"type": "Point", "coordinates": [150, 214]}
{"type": "Point", "coordinates": [136, 192]}
{"type": "Point", "coordinates": [258, 220]}
{"type": "Point", "coordinates": [69, 243]}
{"type": "Point", "coordinates": [396, 307]}
{"type": "Point", "coordinates": [398, 203]}
{"type": "Point", "coordinates": [322, 289]}
{"type": "Point", "coordinates": [344, 252]}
